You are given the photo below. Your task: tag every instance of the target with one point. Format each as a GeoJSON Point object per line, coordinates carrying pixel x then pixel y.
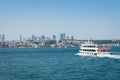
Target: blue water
{"type": "Point", "coordinates": [56, 64]}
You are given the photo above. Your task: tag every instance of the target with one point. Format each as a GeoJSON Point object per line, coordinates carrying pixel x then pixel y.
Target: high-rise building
{"type": "Point", "coordinates": [43, 37]}
{"type": "Point", "coordinates": [20, 37]}
{"type": "Point", "coordinates": [72, 37]}
{"type": "Point", "coordinates": [62, 36]}
{"type": "Point", "coordinates": [67, 37]}
{"type": "Point", "coordinates": [33, 37]}
{"type": "Point", "coordinates": [54, 37]}
{"type": "Point", "coordinates": [0, 37]}
{"type": "Point", "coordinates": [3, 38]}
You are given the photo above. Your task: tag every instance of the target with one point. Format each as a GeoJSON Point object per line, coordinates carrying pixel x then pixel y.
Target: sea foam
{"type": "Point", "coordinates": [108, 56]}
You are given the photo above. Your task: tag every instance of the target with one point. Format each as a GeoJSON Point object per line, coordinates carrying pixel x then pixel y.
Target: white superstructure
{"type": "Point", "coordinates": [91, 49]}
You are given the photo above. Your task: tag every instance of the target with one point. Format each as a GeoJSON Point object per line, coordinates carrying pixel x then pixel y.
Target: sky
{"type": "Point", "coordinates": [83, 19]}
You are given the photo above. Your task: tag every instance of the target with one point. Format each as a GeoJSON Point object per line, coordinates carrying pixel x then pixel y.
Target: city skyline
{"type": "Point", "coordinates": [62, 36]}
{"type": "Point", "coordinates": [83, 19]}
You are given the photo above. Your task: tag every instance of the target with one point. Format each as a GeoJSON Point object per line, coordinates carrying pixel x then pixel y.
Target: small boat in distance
{"type": "Point", "coordinates": [91, 49]}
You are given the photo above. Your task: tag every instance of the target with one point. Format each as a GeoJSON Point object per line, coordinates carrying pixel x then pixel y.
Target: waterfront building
{"type": "Point", "coordinates": [48, 38]}
{"type": "Point", "coordinates": [62, 36]}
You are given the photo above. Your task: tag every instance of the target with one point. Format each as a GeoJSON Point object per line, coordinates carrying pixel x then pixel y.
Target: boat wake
{"type": "Point", "coordinates": [110, 56]}
{"type": "Point", "coordinates": [107, 56]}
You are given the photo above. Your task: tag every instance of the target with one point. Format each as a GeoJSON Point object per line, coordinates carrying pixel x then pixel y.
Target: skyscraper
{"type": "Point", "coordinates": [3, 38]}
{"type": "Point", "coordinates": [43, 37]}
{"type": "Point", "coordinates": [20, 37]}
{"type": "Point", "coordinates": [33, 37]}
{"type": "Point", "coordinates": [54, 37]}
{"type": "Point", "coordinates": [72, 37]}
{"type": "Point", "coordinates": [67, 37]}
{"type": "Point", "coordinates": [0, 38]}
{"type": "Point", "coordinates": [62, 36]}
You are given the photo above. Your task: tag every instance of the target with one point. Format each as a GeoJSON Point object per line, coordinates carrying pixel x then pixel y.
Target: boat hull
{"type": "Point", "coordinates": [94, 54]}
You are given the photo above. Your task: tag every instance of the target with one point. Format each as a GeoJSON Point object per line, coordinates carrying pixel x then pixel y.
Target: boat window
{"type": "Point", "coordinates": [89, 46]}
{"type": "Point", "coordinates": [89, 50]}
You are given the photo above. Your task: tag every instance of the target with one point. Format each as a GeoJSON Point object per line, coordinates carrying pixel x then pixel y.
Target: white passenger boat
{"type": "Point", "coordinates": [91, 49]}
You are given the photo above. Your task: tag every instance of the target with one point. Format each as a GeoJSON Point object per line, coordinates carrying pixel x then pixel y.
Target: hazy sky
{"type": "Point", "coordinates": [83, 19]}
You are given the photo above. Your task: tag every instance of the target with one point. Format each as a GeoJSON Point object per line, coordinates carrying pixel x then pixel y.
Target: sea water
{"type": "Point", "coordinates": [57, 64]}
